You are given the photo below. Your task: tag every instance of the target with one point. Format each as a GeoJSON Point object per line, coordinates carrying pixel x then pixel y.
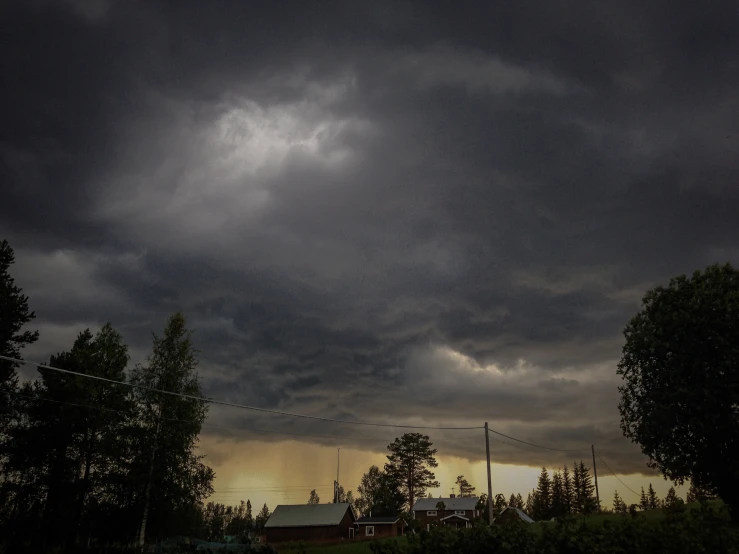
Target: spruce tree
{"type": "Point", "coordinates": [559, 501]}
{"type": "Point", "coordinates": [569, 490]}
{"type": "Point", "coordinates": [519, 501]}
{"type": "Point", "coordinates": [512, 501]}
{"type": "Point", "coordinates": [644, 501]}
{"type": "Point", "coordinates": [530, 501]}
{"type": "Point", "coordinates": [652, 499]}
{"type": "Point", "coordinates": [619, 506]}
{"type": "Point", "coordinates": [672, 498]}
{"type": "Point", "coordinates": [543, 500]}
{"type": "Point", "coordinates": [585, 490]}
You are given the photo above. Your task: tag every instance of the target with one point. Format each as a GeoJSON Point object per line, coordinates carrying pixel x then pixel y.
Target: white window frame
{"type": "Point", "coordinates": [459, 512]}
{"type": "Point", "coordinates": [431, 512]}
{"type": "Point", "coordinates": [369, 531]}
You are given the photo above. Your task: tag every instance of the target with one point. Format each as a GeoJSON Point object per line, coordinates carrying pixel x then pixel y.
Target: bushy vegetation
{"type": "Point", "coordinates": [704, 530]}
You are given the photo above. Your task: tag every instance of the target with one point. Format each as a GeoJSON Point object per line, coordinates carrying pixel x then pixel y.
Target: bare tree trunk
{"type": "Point", "coordinates": [147, 493]}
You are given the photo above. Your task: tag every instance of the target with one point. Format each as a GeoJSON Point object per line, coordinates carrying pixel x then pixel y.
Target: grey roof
{"type": "Point", "coordinates": [307, 515]}
{"type": "Point", "coordinates": [379, 520]}
{"type": "Point", "coordinates": [520, 513]}
{"type": "Point", "coordinates": [457, 503]}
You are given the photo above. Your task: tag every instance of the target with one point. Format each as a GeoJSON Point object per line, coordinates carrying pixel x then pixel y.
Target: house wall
{"type": "Point", "coordinates": [424, 519]}
{"type": "Point", "coordinates": [316, 533]}
{"type": "Point", "coordinates": [381, 530]}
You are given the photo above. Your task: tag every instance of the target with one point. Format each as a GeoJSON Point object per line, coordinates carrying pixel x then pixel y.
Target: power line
{"type": "Point", "coordinates": [231, 404]}
{"type": "Point", "coordinates": [616, 476]}
{"type": "Point", "coordinates": [532, 444]}
{"type": "Point", "coordinates": [267, 431]}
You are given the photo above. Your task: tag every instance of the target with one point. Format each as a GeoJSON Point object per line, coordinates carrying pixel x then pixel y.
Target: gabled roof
{"type": "Point", "coordinates": [457, 503]}
{"type": "Point", "coordinates": [454, 515]}
{"type": "Point", "coordinates": [378, 520]}
{"type": "Point", "coordinates": [520, 513]}
{"type": "Point", "coordinates": [307, 515]}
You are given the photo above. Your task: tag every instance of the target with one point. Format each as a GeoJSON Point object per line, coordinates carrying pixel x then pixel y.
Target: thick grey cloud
{"type": "Point", "coordinates": [400, 212]}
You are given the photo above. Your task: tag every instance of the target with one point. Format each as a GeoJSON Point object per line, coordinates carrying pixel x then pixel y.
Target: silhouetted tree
{"type": "Point", "coordinates": [408, 463]}
{"type": "Point", "coordinates": [644, 501]}
{"type": "Point", "coordinates": [499, 504]}
{"type": "Point", "coordinates": [465, 489]}
{"type": "Point", "coordinates": [559, 499]}
{"type": "Point", "coordinates": [652, 499]}
{"type": "Point", "coordinates": [671, 497]}
{"type": "Point", "coordinates": [619, 506]}
{"type": "Point", "coordinates": [314, 499]}
{"type": "Point", "coordinates": [679, 372]}
{"type": "Point", "coordinates": [168, 426]}
{"type": "Point", "coordinates": [569, 490]}
{"type": "Point", "coordinates": [543, 499]}
{"type": "Point", "coordinates": [14, 315]}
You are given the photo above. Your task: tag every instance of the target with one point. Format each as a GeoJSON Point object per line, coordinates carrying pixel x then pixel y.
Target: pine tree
{"type": "Point", "coordinates": [519, 501]}
{"type": "Point", "coordinates": [644, 502]}
{"type": "Point", "coordinates": [314, 499]}
{"type": "Point", "coordinates": [408, 463]}
{"type": "Point", "coordinates": [558, 501]}
{"type": "Point", "coordinates": [512, 501]}
{"type": "Point", "coordinates": [543, 498]}
{"type": "Point", "coordinates": [569, 490]}
{"type": "Point", "coordinates": [652, 499]}
{"type": "Point", "coordinates": [619, 506]}
{"type": "Point", "coordinates": [465, 489]}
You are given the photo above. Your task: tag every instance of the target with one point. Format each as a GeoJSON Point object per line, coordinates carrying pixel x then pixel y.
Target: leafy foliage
{"type": "Point", "coordinates": [14, 315]}
{"type": "Point", "coordinates": [680, 393]}
{"type": "Point", "coordinates": [379, 493]}
{"type": "Point", "coordinates": [314, 498]}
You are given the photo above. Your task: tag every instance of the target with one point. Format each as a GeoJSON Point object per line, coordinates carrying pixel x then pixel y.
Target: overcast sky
{"type": "Point", "coordinates": [421, 213]}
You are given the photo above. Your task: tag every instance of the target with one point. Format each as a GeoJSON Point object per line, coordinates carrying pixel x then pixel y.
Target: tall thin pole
{"type": "Point", "coordinates": [338, 464]}
{"type": "Point", "coordinates": [595, 474]}
{"type": "Point", "coordinates": [490, 479]}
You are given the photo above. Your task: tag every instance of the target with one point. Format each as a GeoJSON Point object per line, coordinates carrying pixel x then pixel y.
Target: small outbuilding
{"type": "Point", "coordinates": [310, 522]}
{"type": "Point", "coordinates": [512, 514]}
{"type": "Point", "coordinates": [379, 527]}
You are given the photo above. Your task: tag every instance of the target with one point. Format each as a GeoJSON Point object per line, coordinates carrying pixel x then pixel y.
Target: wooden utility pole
{"type": "Point", "coordinates": [338, 465]}
{"type": "Point", "coordinates": [595, 474]}
{"type": "Point", "coordinates": [490, 479]}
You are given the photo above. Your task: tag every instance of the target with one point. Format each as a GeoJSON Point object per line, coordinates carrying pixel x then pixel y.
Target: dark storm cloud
{"type": "Point", "coordinates": [390, 212]}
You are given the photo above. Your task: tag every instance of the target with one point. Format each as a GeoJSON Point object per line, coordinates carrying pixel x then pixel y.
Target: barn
{"type": "Point", "coordinates": [379, 527]}
{"type": "Point", "coordinates": [310, 522]}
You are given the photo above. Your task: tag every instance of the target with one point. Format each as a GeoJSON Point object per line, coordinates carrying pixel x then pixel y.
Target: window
{"type": "Point", "coordinates": [370, 532]}
{"type": "Point", "coordinates": [431, 513]}
{"type": "Point", "coordinates": [458, 512]}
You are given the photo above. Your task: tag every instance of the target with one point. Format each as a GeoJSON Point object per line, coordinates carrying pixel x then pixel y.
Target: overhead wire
{"type": "Point", "coordinates": [267, 431]}
{"type": "Point", "coordinates": [232, 404]}
{"type": "Point", "coordinates": [616, 476]}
